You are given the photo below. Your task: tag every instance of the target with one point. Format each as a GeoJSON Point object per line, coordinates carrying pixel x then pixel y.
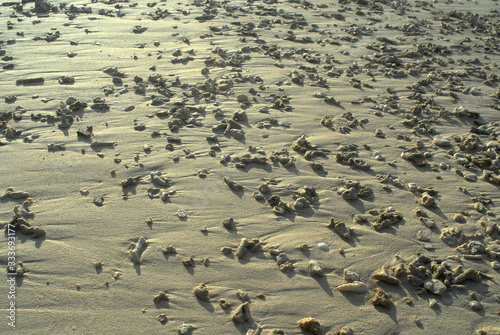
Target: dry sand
{"type": "Point", "coordinates": [374, 125]}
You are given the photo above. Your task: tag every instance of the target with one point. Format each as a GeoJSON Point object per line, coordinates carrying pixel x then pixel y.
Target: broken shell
{"type": "Point", "coordinates": [354, 287]}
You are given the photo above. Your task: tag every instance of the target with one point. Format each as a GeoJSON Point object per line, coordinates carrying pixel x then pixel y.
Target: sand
{"type": "Point", "coordinates": [234, 167]}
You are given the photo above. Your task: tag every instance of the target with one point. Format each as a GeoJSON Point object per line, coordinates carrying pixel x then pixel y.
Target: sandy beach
{"type": "Point", "coordinates": [250, 167]}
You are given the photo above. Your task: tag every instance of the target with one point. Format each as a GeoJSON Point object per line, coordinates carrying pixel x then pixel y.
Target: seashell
{"type": "Point", "coordinates": [323, 246]}
{"type": "Point", "coordinates": [354, 287]}
{"type": "Point", "coordinates": [242, 248]}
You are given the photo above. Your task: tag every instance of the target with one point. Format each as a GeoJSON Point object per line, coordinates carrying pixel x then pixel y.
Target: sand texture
{"type": "Point", "coordinates": [250, 167]}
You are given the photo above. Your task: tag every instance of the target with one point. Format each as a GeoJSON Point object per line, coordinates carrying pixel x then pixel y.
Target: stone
{"type": "Point", "coordinates": [427, 200]}
{"type": "Point", "coordinates": [350, 194]}
{"type": "Point", "coordinates": [435, 286]}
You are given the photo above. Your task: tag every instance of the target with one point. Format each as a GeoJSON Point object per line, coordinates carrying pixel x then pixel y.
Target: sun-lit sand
{"type": "Point", "coordinates": [250, 167]}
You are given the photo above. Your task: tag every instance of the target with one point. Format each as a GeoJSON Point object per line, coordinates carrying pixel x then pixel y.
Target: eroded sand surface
{"type": "Point", "coordinates": [234, 167]}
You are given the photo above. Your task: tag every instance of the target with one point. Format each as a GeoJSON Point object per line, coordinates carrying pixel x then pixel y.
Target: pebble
{"type": "Point", "coordinates": [495, 265]}
{"type": "Point", "coordinates": [185, 329]}
{"type": "Point", "coordinates": [138, 249]}
{"type": "Point", "coordinates": [441, 142]}
{"type": "Point", "coordinates": [431, 57]}
{"type": "Point", "coordinates": [323, 246]}
{"type": "Point", "coordinates": [228, 223]}
{"type": "Point", "coordinates": [181, 214]}
{"type": "Point", "coordinates": [435, 286]}
{"type": "Point", "coordinates": [311, 325]}
{"type": "Point", "coordinates": [351, 276]}
{"type": "Point", "coordinates": [380, 298]}
{"type": "Point", "coordinates": [476, 305]}
{"type": "Point", "coordinates": [315, 269]}
{"type": "Point", "coordinates": [427, 200]}
{"type": "Point", "coordinates": [241, 313]}
{"type": "Point", "coordinates": [201, 292]}
{"type": "Point", "coordinates": [432, 303]}
{"type": "Point", "coordinates": [350, 194]}
{"type": "Point", "coordinates": [354, 287]}
{"type": "Point", "coordinates": [422, 236]}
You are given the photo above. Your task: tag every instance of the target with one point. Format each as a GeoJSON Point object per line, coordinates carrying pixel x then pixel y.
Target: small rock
{"type": "Point", "coordinates": [241, 313]}
{"type": "Point", "coordinates": [351, 276]}
{"type": "Point", "coordinates": [161, 296]}
{"type": "Point", "coordinates": [228, 223]}
{"type": "Point", "coordinates": [311, 325]}
{"type": "Point", "coordinates": [162, 318]}
{"type": "Point", "coordinates": [379, 133]}
{"type": "Point", "coordinates": [441, 142]}
{"type": "Point", "coordinates": [242, 98]}
{"type": "Point", "coordinates": [169, 250]}
{"type": "Point", "coordinates": [350, 194]}
{"type": "Point", "coordinates": [435, 286]}
{"type": "Point", "coordinates": [427, 200]}
{"type": "Point", "coordinates": [495, 265]}
{"type": "Point", "coordinates": [354, 287]}
{"type": "Point", "coordinates": [422, 236]}
{"type": "Point", "coordinates": [282, 258]}
{"type": "Point", "coordinates": [380, 298]}
{"type": "Point", "coordinates": [184, 329]}
{"type": "Point", "coordinates": [340, 228]}
{"type": "Point", "coordinates": [476, 305]}
{"type": "Point", "coordinates": [181, 214]}
{"type": "Point", "coordinates": [315, 269]}
{"type": "Point", "coordinates": [188, 261]}
{"type": "Point", "coordinates": [224, 303]}
{"type": "Point", "coordinates": [301, 203]}
{"type": "Point", "coordinates": [98, 200]}
{"type": "Point", "coordinates": [345, 330]}
{"type": "Point", "coordinates": [428, 246]}
{"type": "Point", "coordinates": [471, 177]}
{"type": "Point", "coordinates": [201, 291]}
{"type": "Point", "coordinates": [237, 133]}
{"type": "Point", "coordinates": [452, 236]}
{"type": "Point", "coordinates": [432, 303]}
